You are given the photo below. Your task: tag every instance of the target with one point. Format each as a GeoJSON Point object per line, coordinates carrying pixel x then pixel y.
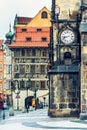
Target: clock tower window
{"type": "Point", "coordinates": [67, 58]}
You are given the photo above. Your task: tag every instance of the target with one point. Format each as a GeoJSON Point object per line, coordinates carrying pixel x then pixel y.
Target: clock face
{"type": "Point", "coordinates": [67, 36]}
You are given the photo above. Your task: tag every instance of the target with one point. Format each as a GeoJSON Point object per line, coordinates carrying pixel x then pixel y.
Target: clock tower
{"type": "Point", "coordinates": [65, 58]}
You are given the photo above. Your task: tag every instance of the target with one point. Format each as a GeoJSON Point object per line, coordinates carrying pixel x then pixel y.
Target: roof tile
{"type": "Point", "coordinates": [24, 20]}
{"type": "Point", "coordinates": [28, 44]}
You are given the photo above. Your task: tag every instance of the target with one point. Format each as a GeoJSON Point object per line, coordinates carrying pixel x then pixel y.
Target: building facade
{"type": "Point", "coordinates": [2, 70]}
{"type": "Point", "coordinates": [30, 56]}
{"type": "Point", "coordinates": [83, 30]}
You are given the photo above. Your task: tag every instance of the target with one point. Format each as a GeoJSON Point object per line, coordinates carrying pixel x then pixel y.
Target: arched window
{"type": "Point", "coordinates": [67, 55]}
{"type": "Point", "coordinates": [44, 14]}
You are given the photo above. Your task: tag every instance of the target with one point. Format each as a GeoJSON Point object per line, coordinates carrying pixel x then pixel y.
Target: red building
{"type": "Point", "coordinates": [2, 67]}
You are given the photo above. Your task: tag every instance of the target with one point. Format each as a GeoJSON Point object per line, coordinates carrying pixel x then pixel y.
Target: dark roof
{"type": "Point", "coordinates": [24, 20]}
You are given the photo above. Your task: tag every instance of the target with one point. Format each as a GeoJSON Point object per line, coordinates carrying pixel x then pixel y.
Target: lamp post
{"type": "Point", "coordinates": [28, 85]}
{"type": "Point", "coordinates": [17, 92]}
{"type": "Point", "coordinates": [44, 98]}
{"type": "Point", "coordinates": [35, 93]}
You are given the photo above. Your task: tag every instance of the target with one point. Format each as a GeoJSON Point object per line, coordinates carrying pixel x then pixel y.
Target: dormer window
{"type": "Point", "coordinates": [39, 30]}
{"type": "Point", "coordinates": [24, 29]}
{"type": "Point", "coordinates": [44, 14]}
{"type": "Point", "coordinates": [28, 39]}
{"type": "Point", "coordinates": [44, 39]}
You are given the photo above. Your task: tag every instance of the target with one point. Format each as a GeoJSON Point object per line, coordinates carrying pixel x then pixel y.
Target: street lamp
{"type": "Point", "coordinates": [35, 93]}
{"type": "Point", "coordinates": [17, 92]}
{"type": "Point", "coordinates": [44, 98]}
{"type": "Point", "coordinates": [28, 85]}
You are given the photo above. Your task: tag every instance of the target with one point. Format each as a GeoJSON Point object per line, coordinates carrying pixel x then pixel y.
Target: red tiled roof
{"type": "Point", "coordinates": [28, 44]}
{"type": "Point", "coordinates": [24, 20]}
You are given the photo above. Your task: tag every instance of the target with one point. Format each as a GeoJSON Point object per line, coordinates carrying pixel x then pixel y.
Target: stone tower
{"type": "Point", "coordinates": [65, 57]}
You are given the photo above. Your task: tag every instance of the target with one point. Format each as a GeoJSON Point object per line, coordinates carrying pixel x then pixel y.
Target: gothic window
{"type": "Point", "coordinates": [67, 55]}
{"type": "Point", "coordinates": [22, 84]}
{"type": "Point", "coordinates": [39, 52]}
{"type": "Point", "coordinates": [22, 52]}
{"type": "Point", "coordinates": [16, 75]}
{"type": "Point", "coordinates": [42, 69]}
{"type": "Point", "coordinates": [44, 53]}
{"type": "Point", "coordinates": [28, 52]}
{"type": "Point", "coordinates": [32, 69]}
{"type": "Point", "coordinates": [37, 68]}
{"type": "Point", "coordinates": [85, 59]}
{"type": "Point", "coordinates": [44, 14]}
{"type": "Point", "coordinates": [85, 40]}
{"type": "Point", "coordinates": [42, 85]}
{"type": "Point", "coordinates": [16, 83]}
{"type": "Point", "coordinates": [27, 68]}
{"type": "Point", "coordinates": [17, 52]}
{"type": "Point", "coordinates": [15, 68]}
{"type": "Point", "coordinates": [33, 52]}
{"type": "Point", "coordinates": [74, 53]}
{"type": "Point", "coordinates": [22, 69]}
{"type": "Point", "coordinates": [67, 58]}
{"type": "Point", "coordinates": [33, 85]}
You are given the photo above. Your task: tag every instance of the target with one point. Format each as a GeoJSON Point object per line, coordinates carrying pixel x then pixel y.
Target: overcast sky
{"type": "Point", "coordinates": [26, 8]}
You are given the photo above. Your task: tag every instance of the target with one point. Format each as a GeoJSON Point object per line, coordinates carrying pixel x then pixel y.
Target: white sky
{"type": "Point", "coordinates": [26, 8]}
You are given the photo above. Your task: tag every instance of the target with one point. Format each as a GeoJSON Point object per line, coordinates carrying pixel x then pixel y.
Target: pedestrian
{"type": "Point", "coordinates": [27, 107]}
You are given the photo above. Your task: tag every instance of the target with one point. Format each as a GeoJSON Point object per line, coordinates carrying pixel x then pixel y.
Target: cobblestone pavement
{"type": "Point", "coordinates": [39, 120]}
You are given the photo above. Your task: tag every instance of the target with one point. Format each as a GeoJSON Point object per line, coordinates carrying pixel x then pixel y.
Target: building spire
{"type": "Point", "coordinates": [10, 27]}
